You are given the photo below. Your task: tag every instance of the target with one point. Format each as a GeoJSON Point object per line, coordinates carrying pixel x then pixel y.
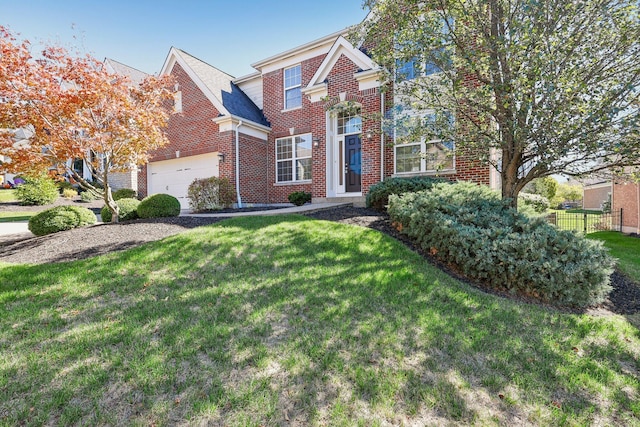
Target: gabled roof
{"type": "Point", "coordinates": [339, 48]}
{"type": "Point", "coordinates": [216, 85]}
{"type": "Point", "coordinates": [115, 67]}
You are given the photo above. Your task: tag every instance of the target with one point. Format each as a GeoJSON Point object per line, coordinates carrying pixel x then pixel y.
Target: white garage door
{"type": "Point", "coordinates": [174, 176]}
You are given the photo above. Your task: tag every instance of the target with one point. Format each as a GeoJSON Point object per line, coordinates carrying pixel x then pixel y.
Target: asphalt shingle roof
{"type": "Point", "coordinates": [116, 67]}
{"type": "Point", "coordinates": [221, 85]}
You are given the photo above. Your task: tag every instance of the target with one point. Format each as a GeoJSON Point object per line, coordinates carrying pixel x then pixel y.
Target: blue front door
{"type": "Point", "coordinates": [353, 156]}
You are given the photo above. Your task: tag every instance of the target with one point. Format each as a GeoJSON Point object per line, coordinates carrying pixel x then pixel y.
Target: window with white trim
{"type": "Point", "coordinates": [426, 154]}
{"type": "Point", "coordinates": [292, 87]}
{"type": "Point", "coordinates": [293, 158]}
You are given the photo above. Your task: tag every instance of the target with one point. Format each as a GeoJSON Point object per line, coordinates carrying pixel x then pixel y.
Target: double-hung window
{"type": "Point", "coordinates": [293, 158]}
{"type": "Point", "coordinates": [292, 87]}
{"type": "Point", "coordinates": [432, 152]}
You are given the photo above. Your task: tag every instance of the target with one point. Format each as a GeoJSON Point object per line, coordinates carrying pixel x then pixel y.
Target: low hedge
{"type": "Point", "coordinates": [210, 194]}
{"type": "Point", "coordinates": [158, 206]}
{"type": "Point", "coordinates": [469, 226]}
{"type": "Point", "coordinates": [60, 218]}
{"type": "Point", "coordinates": [378, 195]}
{"type": "Point", "coordinates": [127, 207]}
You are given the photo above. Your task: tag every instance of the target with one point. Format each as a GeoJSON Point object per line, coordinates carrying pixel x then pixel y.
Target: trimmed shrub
{"type": "Point", "coordinates": [128, 210]}
{"type": "Point", "coordinates": [299, 198]}
{"type": "Point", "coordinates": [69, 193]}
{"type": "Point", "coordinates": [158, 206]}
{"type": "Point", "coordinates": [37, 191]}
{"type": "Point", "coordinates": [64, 185]}
{"type": "Point", "coordinates": [124, 193]}
{"type": "Point", "coordinates": [89, 196]}
{"type": "Point", "coordinates": [378, 195]}
{"type": "Point", "coordinates": [469, 226]}
{"type": "Point", "coordinates": [60, 218]}
{"type": "Point", "coordinates": [538, 203]}
{"type": "Point", "coordinates": [210, 194]}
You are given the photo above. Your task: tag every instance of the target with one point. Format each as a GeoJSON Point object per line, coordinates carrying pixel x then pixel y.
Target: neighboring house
{"type": "Point", "coordinates": [307, 120]}
{"type": "Point", "coordinates": [596, 195]}
{"type": "Point", "coordinates": [623, 194]}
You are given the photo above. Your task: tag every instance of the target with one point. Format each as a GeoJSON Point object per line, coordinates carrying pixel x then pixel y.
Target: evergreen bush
{"type": "Point", "coordinates": [124, 193]}
{"type": "Point", "coordinates": [127, 207]}
{"type": "Point", "coordinates": [60, 218]}
{"type": "Point", "coordinates": [158, 206]}
{"type": "Point", "coordinates": [39, 191]}
{"type": "Point", "coordinates": [469, 226]}
{"type": "Point", "coordinates": [378, 195]}
{"type": "Point", "coordinates": [210, 194]}
{"type": "Point", "coordinates": [299, 198]}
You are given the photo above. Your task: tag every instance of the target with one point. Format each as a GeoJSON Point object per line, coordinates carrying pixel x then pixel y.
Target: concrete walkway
{"type": "Point", "coordinates": [21, 227]}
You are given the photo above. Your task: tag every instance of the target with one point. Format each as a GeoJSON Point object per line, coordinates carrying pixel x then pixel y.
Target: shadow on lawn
{"type": "Point", "coordinates": [336, 327]}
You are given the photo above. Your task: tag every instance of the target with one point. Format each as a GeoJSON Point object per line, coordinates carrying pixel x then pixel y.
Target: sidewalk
{"type": "Point", "coordinates": [314, 207]}
{"type": "Point", "coordinates": [20, 228]}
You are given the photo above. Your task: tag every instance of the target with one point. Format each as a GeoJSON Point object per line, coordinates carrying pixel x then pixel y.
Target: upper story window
{"type": "Point", "coordinates": [293, 158]}
{"type": "Point", "coordinates": [292, 87]}
{"type": "Point", "coordinates": [426, 64]}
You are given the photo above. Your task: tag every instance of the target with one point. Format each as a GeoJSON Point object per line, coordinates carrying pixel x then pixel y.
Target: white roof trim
{"type": "Point", "coordinates": [341, 47]}
{"type": "Point", "coordinates": [291, 52]}
{"type": "Point", "coordinates": [174, 57]}
{"type": "Point", "coordinates": [245, 122]}
{"type": "Point", "coordinates": [248, 77]}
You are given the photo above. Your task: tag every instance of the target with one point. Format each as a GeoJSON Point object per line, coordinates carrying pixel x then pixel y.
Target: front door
{"type": "Point", "coordinates": [353, 165]}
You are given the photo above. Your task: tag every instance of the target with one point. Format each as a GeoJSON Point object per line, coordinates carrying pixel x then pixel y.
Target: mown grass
{"type": "Point", "coordinates": [15, 216]}
{"type": "Point", "coordinates": [283, 319]}
{"type": "Point", "coordinates": [625, 248]}
{"type": "Point", "coordinates": [7, 195]}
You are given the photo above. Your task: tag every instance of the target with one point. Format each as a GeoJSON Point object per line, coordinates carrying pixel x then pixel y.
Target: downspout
{"type": "Point", "coordinates": [381, 136]}
{"type": "Point", "coordinates": [238, 164]}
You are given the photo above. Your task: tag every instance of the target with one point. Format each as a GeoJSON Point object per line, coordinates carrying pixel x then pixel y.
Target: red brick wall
{"type": "Point", "coordinates": [594, 197]}
{"type": "Point", "coordinates": [311, 118]}
{"type": "Point", "coordinates": [253, 169]}
{"type": "Point", "coordinates": [307, 119]}
{"type": "Point", "coordinates": [625, 197]}
{"type": "Point", "coordinates": [193, 132]}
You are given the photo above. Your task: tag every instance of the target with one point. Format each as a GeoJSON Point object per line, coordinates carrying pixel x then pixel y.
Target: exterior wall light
{"type": "Point", "coordinates": [221, 157]}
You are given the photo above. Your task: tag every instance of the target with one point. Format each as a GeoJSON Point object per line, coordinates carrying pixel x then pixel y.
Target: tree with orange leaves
{"type": "Point", "coordinates": [75, 109]}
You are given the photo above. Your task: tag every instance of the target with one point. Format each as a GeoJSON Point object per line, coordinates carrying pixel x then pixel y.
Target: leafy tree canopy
{"type": "Point", "coordinates": [72, 108]}
{"type": "Point", "coordinates": [538, 87]}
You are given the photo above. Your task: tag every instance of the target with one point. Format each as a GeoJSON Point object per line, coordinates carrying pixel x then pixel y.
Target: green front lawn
{"type": "Point", "coordinates": [284, 319]}
{"type": "Point", "coordinates": [625, 248]}
{"type": "Point", "coordinates": [7, 195]}
{"type": "Point", "coordinates": [16, 216]}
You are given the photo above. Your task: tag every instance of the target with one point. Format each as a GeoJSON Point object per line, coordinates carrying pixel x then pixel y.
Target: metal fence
{"type": "Point", "coordinates": [587, 222]}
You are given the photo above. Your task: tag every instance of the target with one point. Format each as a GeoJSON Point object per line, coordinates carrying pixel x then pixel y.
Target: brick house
{"type": "Point", "coordinates": [307, 120]}
{"type": "Point", "coordinates": [623, 194]}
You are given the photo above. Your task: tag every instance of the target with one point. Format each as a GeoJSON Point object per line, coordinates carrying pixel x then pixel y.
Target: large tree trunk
{"type": "Point", "coordinates": [511, 187]}
{"type": "Point", "coordinates": [108, 200]}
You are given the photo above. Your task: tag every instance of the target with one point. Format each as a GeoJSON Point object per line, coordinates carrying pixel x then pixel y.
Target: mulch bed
{"type": "Point", "coordinates": [105, 238]}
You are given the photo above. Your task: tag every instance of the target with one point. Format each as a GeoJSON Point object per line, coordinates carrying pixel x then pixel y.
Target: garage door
{"type": "Point", "coordinates": [174, 176]}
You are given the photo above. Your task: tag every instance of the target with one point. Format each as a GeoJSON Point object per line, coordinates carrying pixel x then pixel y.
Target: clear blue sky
{"type": "Point", "coordinates": [230, 35]}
